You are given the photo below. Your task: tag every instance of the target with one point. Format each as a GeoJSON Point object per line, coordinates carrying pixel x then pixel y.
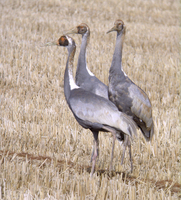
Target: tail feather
{"type": "Point", "coordinates": [148, 134]}
{"type": "Point", "coordinates": [131, 128]}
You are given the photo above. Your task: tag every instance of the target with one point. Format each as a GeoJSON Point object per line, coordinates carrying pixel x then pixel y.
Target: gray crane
{"type": "Point", "coordinates": [126, 95]}
{"type": "Point", "coordinates": [90, 110]}
{"type": "Point", "coordinates": [84, 77]}
{"type": "Point", "coordinates": [88, 81]}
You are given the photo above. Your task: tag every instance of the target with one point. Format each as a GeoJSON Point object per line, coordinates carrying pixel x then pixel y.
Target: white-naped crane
{"type": "Point", "coordinates": [126, 95]}
{"type": "Point", "coordinates": [84, 77]}
{"type": "Point", "coordinates": [90, 110]}
{"type": "Point", "coordinates": [88, 81]}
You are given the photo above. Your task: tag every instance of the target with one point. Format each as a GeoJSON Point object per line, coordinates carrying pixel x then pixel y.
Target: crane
{"type": "Point", "coordinates": [124, 93]}
{"type": "Point", "coordinates": [91, 111]}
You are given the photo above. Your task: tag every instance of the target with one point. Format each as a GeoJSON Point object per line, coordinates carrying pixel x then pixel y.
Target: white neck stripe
{"type": "Point", "coordinates": [123, 72]}
{"type": "Point", "coordinates": [72, 82]}
{"type": "Point", "coordinates": [90, 73]}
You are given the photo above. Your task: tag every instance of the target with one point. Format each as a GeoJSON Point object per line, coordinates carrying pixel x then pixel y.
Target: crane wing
{"type": "Point", "coordinates": [95, 109]}
{"type": "Point", "coordinates": [141, 105]}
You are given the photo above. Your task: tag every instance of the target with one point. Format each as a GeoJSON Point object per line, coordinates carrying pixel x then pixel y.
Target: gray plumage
{"type": "Point", "coordinates": [86, 79]}
{"type": "Point", "coordinates": [90, 110]}
{"type": "Point", "coordinates": [128, 97]}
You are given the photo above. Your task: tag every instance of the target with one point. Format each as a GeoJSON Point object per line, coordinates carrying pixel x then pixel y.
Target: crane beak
{"type": "Point", "coordinates": [72, 31]}
{"type": "Point", "coordinates": [112, 29]}
{"type": "Point", "coordinates": [50, 44]}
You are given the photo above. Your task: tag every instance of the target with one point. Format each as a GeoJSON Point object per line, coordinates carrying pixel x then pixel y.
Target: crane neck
{"type": "Point", "coordinates": [85, 42]}
{"type": "Point", "coordinates": [69, 83]}
{"type": "Point", "coordinates": [82, 70]}
{"type": "Point", "coordinates": [116, 65]}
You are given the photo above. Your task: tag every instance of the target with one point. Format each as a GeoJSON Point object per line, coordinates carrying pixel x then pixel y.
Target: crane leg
{"type": "Point", "coordinates": [95, 152]}
{"type": "Point", "coordinates": [114, 138]}
{"type": "Point", "coordinates": [124, 148]}
{"type": "Point", "coordinates": [127, 143]}
{"type": "Point", "coordinates": [130, 155]}
{"type": "Point", "coordinates": [112, 152]}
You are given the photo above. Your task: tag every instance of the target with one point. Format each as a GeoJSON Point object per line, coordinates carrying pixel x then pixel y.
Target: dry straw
{"type": "Point", "coordinates": [44, 153]}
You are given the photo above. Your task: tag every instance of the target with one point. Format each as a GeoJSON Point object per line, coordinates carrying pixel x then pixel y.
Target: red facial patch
{"type": "Point", "coordinates": [61, 40]}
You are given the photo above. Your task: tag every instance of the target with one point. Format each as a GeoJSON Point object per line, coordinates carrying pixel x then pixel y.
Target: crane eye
{"type": "Point", "coordinates": [82, 29]}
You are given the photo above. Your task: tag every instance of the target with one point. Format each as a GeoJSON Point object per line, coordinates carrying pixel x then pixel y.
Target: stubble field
{"type": "Point", "coordinates": [44, 153]}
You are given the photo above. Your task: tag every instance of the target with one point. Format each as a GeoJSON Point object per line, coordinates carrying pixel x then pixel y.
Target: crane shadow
{"type": "Point", "coordinates": [171, 185]}
{"type": "Point", "coordinates": [111, 174]}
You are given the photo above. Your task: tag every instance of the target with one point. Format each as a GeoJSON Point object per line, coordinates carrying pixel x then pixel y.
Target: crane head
{"type": "Point", "coordinates": [80, 29]}
{"type": "Point", "coordinates": [64, 40]}
{"type": "Point", "coordinates": [118, 26]}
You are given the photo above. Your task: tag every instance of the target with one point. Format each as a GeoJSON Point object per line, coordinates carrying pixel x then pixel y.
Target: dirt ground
{"type": "Point", "coordinates": [44, 152]}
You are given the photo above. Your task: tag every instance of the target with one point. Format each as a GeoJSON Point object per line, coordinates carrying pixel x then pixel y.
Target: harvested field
{"type": "Point", "coordinates": [44, 153]}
